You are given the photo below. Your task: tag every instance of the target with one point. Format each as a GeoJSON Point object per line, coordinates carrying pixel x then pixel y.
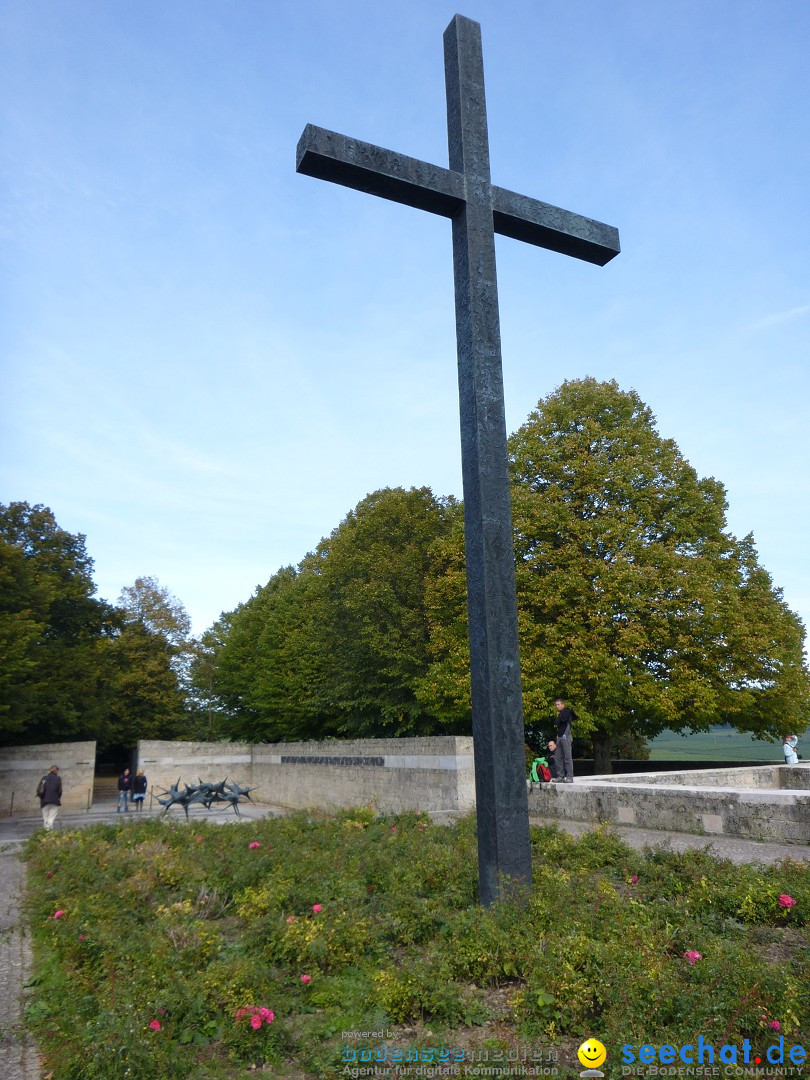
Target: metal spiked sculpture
{"type": "Point", "coordinates": [204, 793]}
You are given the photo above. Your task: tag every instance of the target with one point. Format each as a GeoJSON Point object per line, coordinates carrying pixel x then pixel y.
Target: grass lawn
{"type": "Point", "coordinates": [720, 744]}
{"type": "Point", "coordinates": [164, 952]}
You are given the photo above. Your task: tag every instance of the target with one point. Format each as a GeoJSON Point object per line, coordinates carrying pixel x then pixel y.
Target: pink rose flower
{"type": "Point", "coordinates": [775, 1025]}
{"type": "Point", "coordinates": [255, 1022]}
{"type": "Point", "coordinates": [154, 1025]}
{"type": "Point", "coordinates": [393, 828]}
{"type": "Point", "coordinates": [786, 901]}
{"type": "Point", "coordinates": [306, 979]}
{"type": "Point", "coordinates": [58, 914]}
{"type": "Point", "coordinates": [254, 844]}
{"type": "Point", "coordinates": [290, 919]}
{"type": "Point", "coordinates": [634, 879]}
{"type": "Point", "coordinates": [319, 907]}
{"type": "Point", "coordinates": [267, 1015]}
{"type": "Point", "coordinates": [692, 956]}
{"type": "Point", "coordinates": [198, 838]}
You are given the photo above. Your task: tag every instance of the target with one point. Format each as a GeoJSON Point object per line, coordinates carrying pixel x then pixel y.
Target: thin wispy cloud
{"type": "Point", "coordinates": [780, 317]}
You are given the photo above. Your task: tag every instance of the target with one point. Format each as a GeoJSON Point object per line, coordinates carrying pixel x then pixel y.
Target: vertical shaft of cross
{"type": "Point", "coordinates": [465, 194]}
{"type": "Point", "coordinates": [501, 799]}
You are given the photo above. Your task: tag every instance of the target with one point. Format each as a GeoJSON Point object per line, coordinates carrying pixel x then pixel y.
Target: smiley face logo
{"type": "Point", "coordinates": [592, 1054]}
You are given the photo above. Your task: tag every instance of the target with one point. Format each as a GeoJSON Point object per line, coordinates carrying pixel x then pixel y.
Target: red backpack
{"type": "Point", "coordinates": [541, 774]}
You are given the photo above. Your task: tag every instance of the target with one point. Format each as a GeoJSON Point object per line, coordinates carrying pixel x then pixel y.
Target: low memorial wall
{"type": "Point", "coordinates": [431, 775]}
{"type": "Point", "coordinates": [767, 802]}
{"type": "Point", "coordinates": [22, 768]}
{"type": "Point", "coordinates": [165, 762]}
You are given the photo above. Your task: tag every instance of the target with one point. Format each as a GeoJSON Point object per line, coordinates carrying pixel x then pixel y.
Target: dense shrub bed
{"type": "Point", "coordinates": [206, 952]}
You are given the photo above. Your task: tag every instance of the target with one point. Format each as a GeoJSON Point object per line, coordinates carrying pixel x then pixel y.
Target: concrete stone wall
{"type": "Point", "coordinates": [432, 775]}
{"type": "Point", "coordinates": [747, 776]}
{"type": "Point", "coordinates": [22, 767]}
{"type": "Point", "coordinates": [794, 777]}
{"type": "Point", "coordinates": [757, 812]}
{"type": "Point", "coordinates": [163, 762]}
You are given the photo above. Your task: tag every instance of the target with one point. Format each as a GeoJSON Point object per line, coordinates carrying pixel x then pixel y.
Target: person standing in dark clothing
{"type": "Point", "coordinates": [139, 786]}
{"type": "Point", "coordinates": [562, 752]}
{"type": "Point", "coordinates": [50, 796]}
{"type": "Point", "coordinates": [124, 788]}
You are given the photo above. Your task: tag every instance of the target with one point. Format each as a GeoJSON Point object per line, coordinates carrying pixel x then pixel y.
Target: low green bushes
{"type": "Point", "coordinates": [210, 952]}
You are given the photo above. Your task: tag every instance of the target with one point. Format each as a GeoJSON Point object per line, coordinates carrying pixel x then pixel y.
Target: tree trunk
{"type": "Point", "coordinates": [601, 752]}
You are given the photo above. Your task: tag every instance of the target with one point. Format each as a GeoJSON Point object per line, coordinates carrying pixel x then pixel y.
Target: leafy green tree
{"type": "Point", "coordinates": [294, 655]}
{"type": "Point", "coordinates": [75, 667]}
{"type": "Point", "coordinates": [209, 717]}
{"type": "Point", "coordinates": [367, 595]}
{"type": "Point", "coordinates": [246, 670]}
{"type": "Point", "coordinates": [144, 698]}
{"type": "Point", "coordinates": [53, 631]}
{"type": "Point", "coordinates": [150, 664]}
{"type": "Point", "coordinates": [634, 600]}
{"type": "Point", "coordinates": [340, 645]}
{"type": "Point", "coordinates": [445, 689]}
{"type": "Point", "coordinates": [153, 606]}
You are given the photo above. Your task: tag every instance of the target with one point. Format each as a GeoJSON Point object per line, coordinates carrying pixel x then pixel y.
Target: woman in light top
{"type": "Point", "coordinates": [789, 750]}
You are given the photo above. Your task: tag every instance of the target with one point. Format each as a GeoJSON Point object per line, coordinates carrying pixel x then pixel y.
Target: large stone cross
{"type": "Point", "coordinates": [478, 209]}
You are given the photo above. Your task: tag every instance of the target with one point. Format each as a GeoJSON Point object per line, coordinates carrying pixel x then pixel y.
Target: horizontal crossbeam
{"type": "Point", "coordinates": [363, 166]}
{"type": "Point", "coordinates": [548, 226]}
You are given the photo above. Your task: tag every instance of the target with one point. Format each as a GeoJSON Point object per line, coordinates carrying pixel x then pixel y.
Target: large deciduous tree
{"type": "Point", "coordinates": [149, 664]}
{"type": "Point", "coordinates": [153, 606]}
{"type": "Point", "coordinates": [634, 599]}
{"type": "Point", "coordinates": [75, 667]}
{"type": "Point", "coordinates": [53, 632]}
{"type": "Point", "coordinates": [340, 645]}
{"type": "Point", "coordinates": [372, 574]}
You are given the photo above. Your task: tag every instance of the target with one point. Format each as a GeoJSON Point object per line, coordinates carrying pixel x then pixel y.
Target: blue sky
{"type": "Point", "coordinates": [208, 360]}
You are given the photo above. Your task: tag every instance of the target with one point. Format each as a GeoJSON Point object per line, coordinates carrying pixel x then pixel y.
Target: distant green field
{"type": "Point", "coordinates": [720, 744]}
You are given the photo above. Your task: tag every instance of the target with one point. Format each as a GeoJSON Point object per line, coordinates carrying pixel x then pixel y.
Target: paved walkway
{"type": "Point", "coordinates": [18, 829]}
{"type": "Point", "coordinates": [18, 1057]}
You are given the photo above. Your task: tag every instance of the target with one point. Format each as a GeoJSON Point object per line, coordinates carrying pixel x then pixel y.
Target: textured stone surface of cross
{"type": "Point", "coordinates": [478, 209]}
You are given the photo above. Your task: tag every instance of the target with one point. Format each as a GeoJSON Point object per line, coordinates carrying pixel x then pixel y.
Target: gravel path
{"type": "Point", "coordinates": [18, 1054]}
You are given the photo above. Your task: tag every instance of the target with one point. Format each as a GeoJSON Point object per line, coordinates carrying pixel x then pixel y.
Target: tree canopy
{"type": "Point", "coordinates": [340, 644]}
{"type": "Point", "coordinates": [74, 666]}
{"type": "Point", "coordinates": [52, 629]}
{"type": "Point", "coordinates": [634, 599]}
{"type": "Point", "coordinates": [635, 602]}
{"type": "Point", "coordinates": [153, 606]}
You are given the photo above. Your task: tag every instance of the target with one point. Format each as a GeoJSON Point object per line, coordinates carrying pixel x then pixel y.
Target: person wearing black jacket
{"type": "Point", "coordinates": [124, 788]}
{"type": "Point", "coordinates": [562, 751]}
{"type": "Point", "coordinates": [139, 786]}
{"type": "Point", "coordinates": [50, 796]}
